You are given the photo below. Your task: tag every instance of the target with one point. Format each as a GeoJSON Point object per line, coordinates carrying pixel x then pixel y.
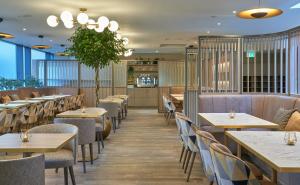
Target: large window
{"type": "Point", "coordinates": [8, 59]}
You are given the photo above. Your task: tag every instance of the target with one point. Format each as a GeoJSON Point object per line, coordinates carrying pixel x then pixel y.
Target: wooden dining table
{"type": "Point", "coordinates": [52, 97]}
{"type": "Point", "coordinates": [269, 146]}
{"type": "Point", "coordinates": [89, 112]}
{"type": "Point", "coordinates": [11, 105]}
{"type": "Point", "coordinates": [38, 143]}
{"type": "Point", "coordinates": [239, 122]}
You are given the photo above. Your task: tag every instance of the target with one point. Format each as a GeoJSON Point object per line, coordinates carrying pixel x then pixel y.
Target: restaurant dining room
{"type": "Point", "coordinates": [136, 92]}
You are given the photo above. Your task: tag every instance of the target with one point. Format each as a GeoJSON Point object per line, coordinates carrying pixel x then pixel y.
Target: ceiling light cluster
{"type": "Point", "coordinates": [82, 18]}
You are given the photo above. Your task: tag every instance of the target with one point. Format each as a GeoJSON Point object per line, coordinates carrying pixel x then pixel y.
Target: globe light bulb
{"type": "Point", "coordinates": [118, 36]}
{"type": "Point", "coordinates": [91, 24]}
{"type": "Point", "coordinates": [125, 41]}
{"type": "Point", "coordinates": [69, 24]}
{"type": "Point", "coordinates": [82, 18]}
{"type": "Point", "coordinates": [103, 21]}
{"type": "Point", "coordinates": [66, 16]}
{"type": "Point", "coordinates": [99, 29]}
{"type": "Point", "coordinates": [113, 26]}
{"type": "Point", "coordinates": [52, 21]}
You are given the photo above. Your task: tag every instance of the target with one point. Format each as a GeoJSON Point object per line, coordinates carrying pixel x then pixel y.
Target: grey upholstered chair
{"type": "Point", "coordinates": [65, 157]}
{"type": "Point", "coordinates": [24, 171]}
{"type": "Point", "coordinates": [86, 134]}
{"type": "Point", "coordinates": [99, 135]}
{"type": "Point", "coordinates": [113, 110]}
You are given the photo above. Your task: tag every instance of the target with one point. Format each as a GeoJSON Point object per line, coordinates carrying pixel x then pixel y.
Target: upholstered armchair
{"type": "Point", "coordinates": [86, 134]}
{"type": "Point", "coordinates": [65, 157]}
{"type": "Point", "coordinates": [113, 110]}
{"type": "Point", "coordinates": [24, 171]}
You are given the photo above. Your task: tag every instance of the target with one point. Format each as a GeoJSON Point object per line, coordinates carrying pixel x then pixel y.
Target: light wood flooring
{"type": "Point", "coordinates": [144, 151]}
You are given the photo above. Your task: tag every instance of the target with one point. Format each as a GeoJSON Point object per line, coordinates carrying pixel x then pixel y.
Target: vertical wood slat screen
{"type": "Point", "coordinates": [295, 62]}
{"type": "Point", "coordinates": [266, 72]}
{"type": "Point", "coordinates": [191, 61]}
{"type": "Point", "coordinates": [171, 73]}
{"type": "Point", "coordinates": [219, 64]}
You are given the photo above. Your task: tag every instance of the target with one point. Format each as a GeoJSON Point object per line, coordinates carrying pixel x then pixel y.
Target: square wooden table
{"type": "Point", "coordinates": [177, 97]}
{"type": "Point", "coordinates": [90, 112]}
{"type": "Point", "coordinates": [239, 122]}
{"type": "Point", "coordinates": [38, 143]}
{"type": "Point", "coordinates": [269, 146]}
{"type": "Point", "coordinates": [13, 105]}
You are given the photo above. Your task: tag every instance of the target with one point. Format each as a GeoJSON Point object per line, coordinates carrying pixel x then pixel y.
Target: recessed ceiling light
{"type": "Point", "coordinates": [51, 40]}
{"type": "Point", "coordinates": [234, 12]}
{"type": "Point", "coordinates": [156, 51]}
{"type": "Point", "coordinates": [219, 24]}
{"type": "Point", "coordinates": [24, 29]}
{"type": "Point", "coordinates": [296, 6]}
{"type": "Point", "coordinates": [208, 32]}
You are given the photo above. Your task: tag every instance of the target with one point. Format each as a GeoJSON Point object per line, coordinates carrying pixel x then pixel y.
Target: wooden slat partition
{"type": "Point", "coordinates": [166, 91]}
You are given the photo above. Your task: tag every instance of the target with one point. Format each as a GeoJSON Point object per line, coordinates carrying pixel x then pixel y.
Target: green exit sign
{"type": "Point", "coordinates": [251, 54]}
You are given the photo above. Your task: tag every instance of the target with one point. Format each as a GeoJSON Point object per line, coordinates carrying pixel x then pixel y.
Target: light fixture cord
{"type": "Point", "coordinates": [259, 3]}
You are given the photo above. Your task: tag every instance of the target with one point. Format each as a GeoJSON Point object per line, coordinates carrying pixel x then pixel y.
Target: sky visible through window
{"type": "Point", "coordinates": [8, 60]}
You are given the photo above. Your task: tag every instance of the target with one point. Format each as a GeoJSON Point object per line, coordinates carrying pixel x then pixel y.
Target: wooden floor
{"type": "Point", "coordinates": [144, 151]}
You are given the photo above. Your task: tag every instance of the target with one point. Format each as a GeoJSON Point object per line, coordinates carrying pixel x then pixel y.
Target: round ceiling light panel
{"type": "Point", "coordinates": [6, 35]}
{"type": "Point", "coordinates": [259, 13]}
{"type": "Point", "coordinates": [41, 47]}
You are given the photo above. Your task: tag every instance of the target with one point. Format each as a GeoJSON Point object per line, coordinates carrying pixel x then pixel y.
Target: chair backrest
{"type": "Point", "coordinates": [24, 171]}
{"type": "Point", "coordinates": [230, 170]}
{"type": "Point", "coordinates": [188, 135]}
{"type": "Point", "coordinates": [86, 128]}
{"type": "Point", "coordinates": [3, 118]}
{"type": "Point", "coordinates": [204, 140]}
{"type": "Point", "coordinates": [111, 107]}
{"type": "Point", "coordinates": [60, 128]}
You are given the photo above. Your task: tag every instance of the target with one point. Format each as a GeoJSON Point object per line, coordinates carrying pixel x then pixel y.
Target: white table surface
{"type": "Point", "coordinates": [90, 112]}
{"type": "Point", "coordinates": [270, 147]}
{"type": "Point", "coordinates": [13, 105]}
{"type": "Point", "coordinates": [241, 120]}
{"type": "Point", "coordinates": [52, 97]}
{"type": "Point", "coordinates": [38, 143]}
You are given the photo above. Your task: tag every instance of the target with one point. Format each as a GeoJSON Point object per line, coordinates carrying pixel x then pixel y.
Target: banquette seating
{"type": "Point", "coordinates": [262, 106]}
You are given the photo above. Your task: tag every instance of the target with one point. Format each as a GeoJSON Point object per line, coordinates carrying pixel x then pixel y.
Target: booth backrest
{"type": "Point", "coordinates": [262, 106]}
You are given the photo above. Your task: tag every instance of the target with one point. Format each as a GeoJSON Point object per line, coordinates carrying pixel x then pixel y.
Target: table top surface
{"type": "Point", "coordinates": [241, 120]}
{"type": "Point", "coordinates": [52, 97]}
{"type": "Point", "coordinates": [13, 105]}
{"type": "Point", "coordinates": [38, 143]}
{"type": "Point", "coordinates": [26, 101]}
{"type": "Point", "coordinates": [270, 147]}
{"type": "Point", "coordinates": [178, 97]}
{"type": "Point", "coordinates": [90, 112]}
{"type": "Point", "coordinates": [115, 100]}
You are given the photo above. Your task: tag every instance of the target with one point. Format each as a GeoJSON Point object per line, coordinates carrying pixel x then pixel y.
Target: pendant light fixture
{"type": "Point", "coordinates": [259, 13]}
{"type": "Point", "coordinates": [6, 35]}
{"type": "Point", "coordinates": [41, 46]}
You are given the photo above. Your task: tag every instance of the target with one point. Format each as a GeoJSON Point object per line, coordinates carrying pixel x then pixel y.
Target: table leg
{"type": "Point", "coordinates": [239, 151]}
{"type": "Point", "coordinates": [225, 138]}
{"type": "Point", "coordinates": [274, 176]}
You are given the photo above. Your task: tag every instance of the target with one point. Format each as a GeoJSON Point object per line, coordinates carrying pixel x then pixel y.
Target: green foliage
{"type": "Point", "coordinates": [8, 84]}
{"type": "Point", "coordinates": [95, 49]}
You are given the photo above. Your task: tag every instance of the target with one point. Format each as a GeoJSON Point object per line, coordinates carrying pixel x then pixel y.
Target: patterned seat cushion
{"type": "Point", "coordinates": [59, 159]}
{"type": "Point", "coordinates": [282, 117]}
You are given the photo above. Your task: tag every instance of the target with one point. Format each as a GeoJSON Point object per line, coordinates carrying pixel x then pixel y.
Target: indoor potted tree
{"type": "Point", "coordinates": [96, 50]}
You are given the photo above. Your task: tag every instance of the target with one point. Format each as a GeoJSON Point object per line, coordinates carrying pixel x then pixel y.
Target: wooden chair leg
{"type": "Point", "coordinates": [101, 139]}
{"type": "Point", "coordinates": [72, 175]}
{"type": "Point", "coordinates": [83, 158]}
{"type": "Point", "coordinates": [66, 175]}
{"type": "Point", "coordinates": [98, 141]}
{"type": "Point", "coordinates": [191, 167]}
{"type": "Point", "coordinates": [91, 153]}
{"type": "Point", "coordinates": [182, 151]}
{"type": "Point", "coordinates": [185, 156]}
{"type": "Point", "coordinates": [188, 161]}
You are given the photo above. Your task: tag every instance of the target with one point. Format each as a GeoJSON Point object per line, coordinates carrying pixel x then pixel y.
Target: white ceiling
{"type": "Point", "coordinates": [147, 23]}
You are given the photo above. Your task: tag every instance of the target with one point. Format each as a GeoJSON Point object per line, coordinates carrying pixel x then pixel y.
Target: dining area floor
{"type": "Point", "coordinates": [144, 151]}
